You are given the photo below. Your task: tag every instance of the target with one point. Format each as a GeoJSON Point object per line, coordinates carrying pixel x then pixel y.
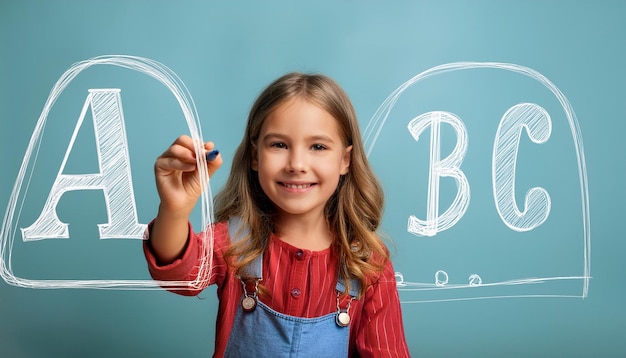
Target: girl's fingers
{"type": "Point", "coordinates": [181, 156]}
{"type": "Point", "coordinates": [209, 146]}
{"type": "Point", "coordinates": [172, 164]}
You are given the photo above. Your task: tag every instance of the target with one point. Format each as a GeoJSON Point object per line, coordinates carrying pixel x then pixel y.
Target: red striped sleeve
{"type": "Point", "coordinates": [381, 332]}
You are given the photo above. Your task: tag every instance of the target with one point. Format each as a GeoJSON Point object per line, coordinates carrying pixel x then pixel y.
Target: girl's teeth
{"type": "Point", "coordinates": [298, 186]}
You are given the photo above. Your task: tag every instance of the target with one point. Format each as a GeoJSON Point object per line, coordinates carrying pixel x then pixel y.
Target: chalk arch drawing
{"type": "Point", "coordinates": [537, 123]}
{"type": "Point", "coordinates": [177, 88]}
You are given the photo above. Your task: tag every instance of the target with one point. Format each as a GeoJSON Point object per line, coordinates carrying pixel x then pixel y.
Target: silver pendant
{"type": "Point", "coordinates": [343, 318]}
{"type": "Point", "coordinates": [248, 303]}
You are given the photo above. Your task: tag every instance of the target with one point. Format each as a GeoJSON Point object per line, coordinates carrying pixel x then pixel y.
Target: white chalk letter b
{"type": "Point", "coordinates": [114, 178]}
{"type": "Point", "coordinates": [447, 167]}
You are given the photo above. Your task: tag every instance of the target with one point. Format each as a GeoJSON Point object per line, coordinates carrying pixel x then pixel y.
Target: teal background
{"type": "Point", "coordinates": [226, 53]}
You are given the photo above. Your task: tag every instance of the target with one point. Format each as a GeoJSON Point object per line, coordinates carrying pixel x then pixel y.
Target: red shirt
{"type": "Point", "coordinates": [301, 283]}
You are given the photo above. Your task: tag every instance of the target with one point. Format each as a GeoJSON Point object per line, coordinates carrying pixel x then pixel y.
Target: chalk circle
{"type": "Point", "coordinates": [441, 278]}
{"type": "Point", "coordinates": [400, 279]}
{"type": "Point", "coordinates": [475, 280]}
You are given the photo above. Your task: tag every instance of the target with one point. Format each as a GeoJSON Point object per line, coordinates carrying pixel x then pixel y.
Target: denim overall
{"type": "Point", "coordinates": [264, 332]}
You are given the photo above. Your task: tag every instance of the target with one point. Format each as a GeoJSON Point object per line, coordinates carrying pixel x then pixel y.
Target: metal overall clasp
{"type": "Point", "coordinates": [343, 314]}
{"type": "Point", "coordinates": [249, 299]}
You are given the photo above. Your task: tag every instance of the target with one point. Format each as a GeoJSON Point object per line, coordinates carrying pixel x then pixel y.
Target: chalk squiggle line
{"type": "Point", "coordinates": [378, 120]}
{"type": "Point", "coordinates": [430, 287]}
{"type": "Point", "coordinates": [416, 286]}
{"type": "Point", "coordinates": [7, 234]}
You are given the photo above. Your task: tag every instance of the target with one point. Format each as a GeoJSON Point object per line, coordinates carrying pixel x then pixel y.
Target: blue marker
{"type": "Point", "coordinates": [210, 156]}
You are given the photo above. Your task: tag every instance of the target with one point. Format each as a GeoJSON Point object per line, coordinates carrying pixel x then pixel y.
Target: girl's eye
{"type": "Point", "coordinates": [279, 145]}
{"type": "Point", "coordinates": [318, 147]}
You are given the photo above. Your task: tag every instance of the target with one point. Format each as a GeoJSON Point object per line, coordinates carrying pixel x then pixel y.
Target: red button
{"type": "Point", "coordinates": [299, 254]}
{"type": "Point", "coordinates": [295, 292]}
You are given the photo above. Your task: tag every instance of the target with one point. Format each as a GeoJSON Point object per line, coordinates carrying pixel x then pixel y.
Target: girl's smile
{"type": "Point", "coordinates": [295, 187]}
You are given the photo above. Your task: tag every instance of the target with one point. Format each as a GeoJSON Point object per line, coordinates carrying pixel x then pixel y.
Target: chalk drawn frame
{"type": "Point", "coordinates": [378, 120]}
{"type": "Point", "coordinates": [168, 78]}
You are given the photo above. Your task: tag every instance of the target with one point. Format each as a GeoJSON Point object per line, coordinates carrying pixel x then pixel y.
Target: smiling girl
{"type": "Point", "coordinates": [298, 263]}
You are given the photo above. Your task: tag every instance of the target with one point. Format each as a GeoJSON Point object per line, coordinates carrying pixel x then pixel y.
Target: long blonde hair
{"type": "Point", "coordinates": [353, 212]}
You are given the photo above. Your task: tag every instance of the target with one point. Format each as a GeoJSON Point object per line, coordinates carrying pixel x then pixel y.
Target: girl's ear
{"type": "Point", "coordinates": [255, 161]}
{"type": "Point", "coordinates": [345, 162]}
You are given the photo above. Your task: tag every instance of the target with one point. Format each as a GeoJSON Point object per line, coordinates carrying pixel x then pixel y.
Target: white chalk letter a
{"type": "Point", "coordinates": [114, 177]}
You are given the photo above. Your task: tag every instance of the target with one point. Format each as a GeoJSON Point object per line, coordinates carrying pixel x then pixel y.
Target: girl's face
{"type": "Point", "coordinates": [300, 156]}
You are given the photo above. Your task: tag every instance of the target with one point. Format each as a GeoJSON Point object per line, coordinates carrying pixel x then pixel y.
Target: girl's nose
{"type": "Point", "coordinates": [297, 161]}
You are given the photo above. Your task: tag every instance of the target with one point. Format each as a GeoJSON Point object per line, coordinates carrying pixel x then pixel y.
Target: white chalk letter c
{"type": "Point", "coordinates": [538, 125]}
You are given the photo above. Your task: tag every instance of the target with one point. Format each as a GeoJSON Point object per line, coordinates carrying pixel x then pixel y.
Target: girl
{"type": "Point", "coordinates": [299, 267]}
